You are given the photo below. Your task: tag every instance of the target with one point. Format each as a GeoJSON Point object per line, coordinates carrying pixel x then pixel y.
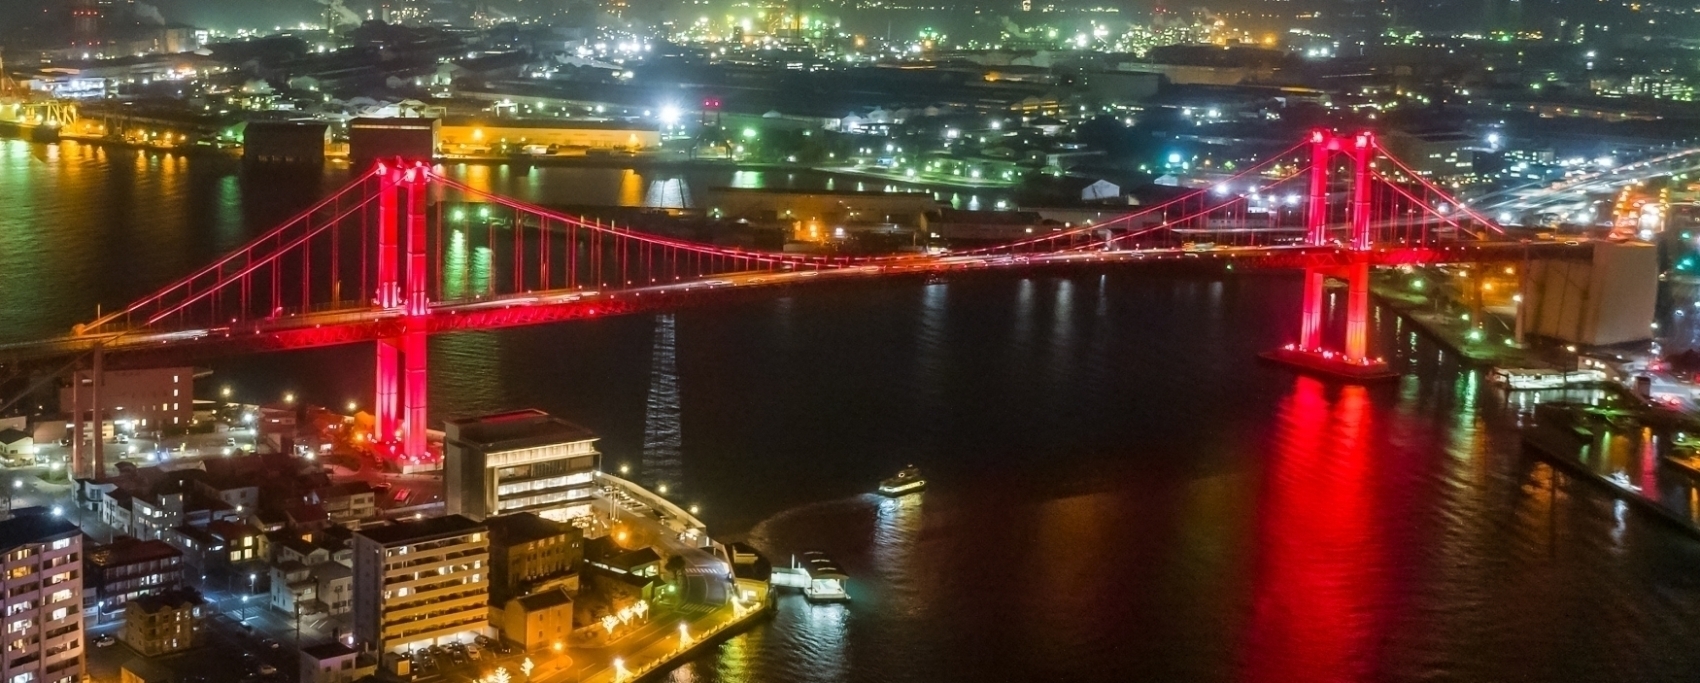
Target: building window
{"type": "Point", "coordinates": [61, 544]}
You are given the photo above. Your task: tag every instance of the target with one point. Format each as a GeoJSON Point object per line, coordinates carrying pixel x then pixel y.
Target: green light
{"type": "Point", "coordinates": [459, 215]}
{"type": "Point", "coordinates": [1416, 284]}
{"type": "Point", "coordinates": [483, 212]}
{"type": "Point", "coordinates": [750, 133]}
{"type": "Point", "coordinates": [1475, 335]}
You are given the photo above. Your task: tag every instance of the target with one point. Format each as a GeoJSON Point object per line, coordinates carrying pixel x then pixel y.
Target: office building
{"type": "Point", "coordinates": [41, 557]}
{"type": "Point", "coordinates": [523, 461]}
{"type": "Point", "coordinates": [421, 583]}
{"type": "Point", "coordinates": [137, 400]}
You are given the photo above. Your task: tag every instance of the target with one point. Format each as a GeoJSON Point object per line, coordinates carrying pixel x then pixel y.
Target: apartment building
{"type": "Point", "coordinates": [41, 576]}
{"type": "Point", "coordinates": [521, 461]}
{"type": "Point", "coordinates": [164, 623]}
{"type": "Point", "coordinates": [421, 583]}
{"type": "Point", "coordinates": [126, 569]}
{"type": "Point", "coordinates": [527, 550]}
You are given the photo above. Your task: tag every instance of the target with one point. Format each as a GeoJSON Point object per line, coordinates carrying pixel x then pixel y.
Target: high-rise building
{"type": "Point", "coordinates": [421, 583]}
{"type": "Point", "coordinates": [42, 625]}
{"type": "Point", "coordinates": [523, 461]}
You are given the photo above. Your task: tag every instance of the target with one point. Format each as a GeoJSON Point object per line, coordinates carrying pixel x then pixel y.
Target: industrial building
{"type": "Point", "coordinates": [484, 136]}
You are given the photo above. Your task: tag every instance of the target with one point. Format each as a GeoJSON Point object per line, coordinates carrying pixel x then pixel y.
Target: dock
{"type": "Point", "coordinates": [818, 577]}
{"type": "Point", "coordinates": [1572, 438]}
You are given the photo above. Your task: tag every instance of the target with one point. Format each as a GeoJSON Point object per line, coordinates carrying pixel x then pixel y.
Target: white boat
{"type": "Point", "coordinates": [909, 480]}
{"type": "Point", "coordinates": [1543, 378]}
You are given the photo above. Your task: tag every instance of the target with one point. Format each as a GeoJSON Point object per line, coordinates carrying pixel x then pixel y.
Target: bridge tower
{"type": "Point", "coordinates": [400, 403]}
{"type": "Point", "coordinates": [1311, 352]}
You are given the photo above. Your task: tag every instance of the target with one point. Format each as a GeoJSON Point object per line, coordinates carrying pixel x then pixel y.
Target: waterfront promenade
{"type": "Point", "coordinates": [653, 648]}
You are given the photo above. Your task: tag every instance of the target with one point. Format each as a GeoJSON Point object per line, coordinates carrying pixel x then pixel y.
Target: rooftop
{"type": "Point", "coordinates": [545, 600]}
{"type": "Point", "coordinates": [396, 533]}
{"type": "Point", "coordinates": [126, 550]}
{"type": "Point", "coordinates": [33, 529]}
{"type": "Point", "coordinates": [171, 599]}
{"type": "Point", "coordinates": [516, 430]}
{"type": "Point", "coordinates": [347, 488]}
{"type": "Point", "coordinates": [524, 527]}
{"type": "Point", "coordinates": [330, 650]}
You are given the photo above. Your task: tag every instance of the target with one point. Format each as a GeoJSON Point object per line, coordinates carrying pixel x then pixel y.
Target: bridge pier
{"type": "Point", "coordinates": [400, 405]}
{"type": "Point", "coordinates": [1310, 354]}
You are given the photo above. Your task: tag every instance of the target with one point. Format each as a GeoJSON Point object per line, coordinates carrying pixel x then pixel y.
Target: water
{"type": "Point", "coordinates": [1121, 492]}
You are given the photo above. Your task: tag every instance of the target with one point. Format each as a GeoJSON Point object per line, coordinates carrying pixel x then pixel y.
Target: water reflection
{"type": "Point", "coordinates": [1320, 569]}
{"type": "Point", "coordinates": [663, 435]}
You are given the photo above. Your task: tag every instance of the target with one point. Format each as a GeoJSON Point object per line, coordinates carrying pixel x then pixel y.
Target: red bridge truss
{"type": "Point", "coordinates": [403, 252]}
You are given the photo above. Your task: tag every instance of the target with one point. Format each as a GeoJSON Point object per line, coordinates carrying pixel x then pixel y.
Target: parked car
{"type": "Point", "coordinates": [267, 669]}
{"type": "Point", "coordinates": [105, 640]}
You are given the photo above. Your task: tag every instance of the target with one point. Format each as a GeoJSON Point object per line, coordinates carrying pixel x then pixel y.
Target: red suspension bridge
{"type": "Point", "coordinates": [403, 252]}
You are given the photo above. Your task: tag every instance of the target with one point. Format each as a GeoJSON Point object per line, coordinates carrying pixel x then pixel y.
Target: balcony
{"type": "Point", "coordinates": [452, 605]}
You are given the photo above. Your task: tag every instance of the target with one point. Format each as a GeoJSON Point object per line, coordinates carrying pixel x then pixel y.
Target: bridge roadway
{"type": "Point", "coordinates": [352, 322]}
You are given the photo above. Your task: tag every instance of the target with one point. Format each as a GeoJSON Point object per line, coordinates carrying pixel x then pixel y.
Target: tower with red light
{"type": "Point", "coordinates": [1312, 352]}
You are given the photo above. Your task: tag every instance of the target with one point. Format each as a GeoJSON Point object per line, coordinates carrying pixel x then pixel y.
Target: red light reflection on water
{"type": "Point", "coordinates": [1320, 567]}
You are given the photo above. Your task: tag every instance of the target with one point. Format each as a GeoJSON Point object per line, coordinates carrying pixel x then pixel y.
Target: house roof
{"type": "Point", "coordinates": [347, 488]}
{"type": "Point", "coordinates": [545, 600]}
{"type": "Point", "coordinates": [330, 650]}
{"type": "Point", "coordinates": [171, 599]}
{"type": "Point", "coordinates": [11, 436]}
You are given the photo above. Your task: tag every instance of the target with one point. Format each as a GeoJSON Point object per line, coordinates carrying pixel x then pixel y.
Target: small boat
{"type": "Point", "coordinates": [909, 480]}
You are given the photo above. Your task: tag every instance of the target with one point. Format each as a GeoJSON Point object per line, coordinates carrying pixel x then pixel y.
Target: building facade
{"type": "Point", "coordinates": [42, 623]}
{"type": "Point", "coordinates": [526, 549]}
{"type": "Point", "coordinates": [538, 621]}
{"type": "Point", "coordinates": [127, 569]}
{"type": "Point", "coordinates": [421, 583]}
{"type": "Point", "coordinates": [522, 461]}
{"type": "Point", "coordinates": [137, 400]}
{"type": "Point", "coordinates": [164, 623]}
